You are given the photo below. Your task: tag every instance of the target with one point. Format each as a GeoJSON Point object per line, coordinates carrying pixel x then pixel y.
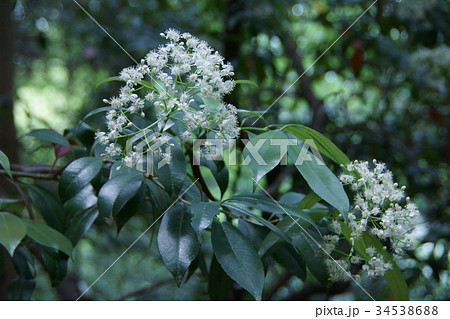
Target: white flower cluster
{"type": "Point", "coordinates": [184, 78]}
{"type": "Point", "coordinates": [415, 9]}
{"type": "Point", "coordinates": [377, 210]}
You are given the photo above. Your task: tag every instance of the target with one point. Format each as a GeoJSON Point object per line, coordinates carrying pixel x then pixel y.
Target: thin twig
{"type": "Point", "coordinates": [24, 198]}
{"type": "Point", "coordinates": [147, 289]}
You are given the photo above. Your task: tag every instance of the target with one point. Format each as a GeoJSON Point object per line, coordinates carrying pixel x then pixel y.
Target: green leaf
{"type": "Point", "coordinates": [12, 231]}
{"type": "Point", "coordinates": [266, 156]}
{"type": "Point", "coordinates": [110, 79]}
{"type": "Point", "coordinates": [203, 213]}
{"type": "Point", "coordinates": [246, 212]}
{"type": "Point", "coordinates": [268, 204]}
{"type": "Point", "coordinates": [238, 257]}
{"type": "Point", "coordinates": [24, 263]}
{"type": "Point", "coordinates": [177, 241]}
{"type": "Point", "coordinates": [159, 197]}
{"type": "Point", "coordinates": [291, 260]}
{"type": "Point", "coordinates": [310, 245]}
{"type": "Point", "coordinates": [309, 201]}
{"type": "Point", "coordinates": [77, 175]}
{"type": "Point", "coordinates": [173, 174]}
{"type": "Point", "coordinates": [219, 283]}
{"type": "Point", "coordinates": [49, 136]}
{"type": "Point", "coordinates": [21, 289]}
{"type": "Point", "coordinates": [80, 224]}
{"type": "Point", "coordinates": [246, 82]}
{"type": "Point", "coordinates": [131, 208]}
{"type": "Point", "coordinates": [116, 192]}
{"type": "Point", "coordinates": [321, 180]}
{"type": "Point", "coordinates": [394, 277]}
{"type": "Point", "coordinates": [48, 205]}
{"type": "Point", "coordinates": [4, 162]}
{"type": "Point", "coordinates": [289, 227]}
{"type": "Point", "coordinates": [95, 112]}
{"type": "Point", "coordinates": [220, 172]}
{"type": "Point", "coordinates": [56, 266]}
{"type": "Point", "coordinates": [48, 236]}
{"type": "Point", "coordinates": [324, 145]}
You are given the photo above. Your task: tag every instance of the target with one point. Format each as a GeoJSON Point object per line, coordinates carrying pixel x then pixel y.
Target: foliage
{"type": "Point", "coordinates": [368, 93]}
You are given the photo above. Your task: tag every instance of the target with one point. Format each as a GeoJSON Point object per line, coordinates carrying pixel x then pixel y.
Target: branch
{"type": "Point", "coordinates": [24, 198]}
{"type": "Point", "coordinates": [305, 81]}
{"type": "Point", "coordinates": [35, 172]}
{"type": "Point", "coordinates": [146, 289]}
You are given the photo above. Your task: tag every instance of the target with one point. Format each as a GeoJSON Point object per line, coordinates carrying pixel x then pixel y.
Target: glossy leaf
{"type": "Point", "coordinates": [321, 180]}
{"type": "Point", "coordinates": [48, 236]}
{"type": "Point", "coordinates": [4, 162]}
{"type": "Point", "coordinates": [203, 213]}
{"type": "Point", "coordinates": [238, 257]}
{"type": "Point", "coordinates": [324, 145]}
{"type": "Point", "coordinates": [220, 172]}
{"type": "Point", "coordinates": [12, 231]}
{"type": "Point", "coordinates": [264, 156]}
{"type": "Point", "coordinates": [309, 244]}
{"type": "Point", "coordinates": [177, 241]}
{"type": "Point", "coordinates": [173, 174]}
{"type": "Point", "coordinates": [49, 136]}
{"type": "Point", "coordinates": [291, 260]}
{"type": "Point", "coordinates": [48, 205]}
{"type": "Point", "coordinates": [80, 224]}
{"type": "Point", "coordinates": [116, 192]}
{"type": "Point", "coordinates": [77, 175]}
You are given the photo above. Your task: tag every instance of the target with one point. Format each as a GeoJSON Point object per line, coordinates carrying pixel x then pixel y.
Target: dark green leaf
{"type": "Point", "coordinates": [321, 180]}
{"type": "Point", "coordinates": [116, 192]}
{"type": "Point", "coordinates": [12, 231]}
{"type": "Point", "coordinates": [131, 208]}
{"type": "Point", "coordinates": [21, 289]}
{"type": "Point", "coordinates": [291, 260]}
{"type": "Point", "coordinates": [77, 175]}
{"type": "Point", "coordinates": [219, 171]}
{"type": "Point", "coordinates": [264, 156]}
{"type": "Point", "coordinates": [24, 263]}
{"type": "Point", "coordinates": [219, 283]}
{"type": "Point", "coordinates": [159, 197]}
{"type": "Point", "coordinates": [246, 82]}
{"type": "Point", "coordinates": [111, 78]}
{"type": "Point", "coordinates": [324, 145]}
{"type": "Point", "coordinates": [173, 174]}
{"type": "Point", "coordinates": [177, 241]}
{"type": "Point", "coordinates": [49, 206]}
{"type": "Point", "coordinates": [4, 162]}
{"type": "Point", "coordinates": [48, 236]}
{"type": "Point", "coordinates": [80, 224]}
{"type": "Point", "coordinates": [238, 257]}
{"type": "Point", "coordinates": [203, 213]}
{"type": "Point", "coordinates": [49, 136]}
{"type": "Point", "coordinates": [95, 112]}
{"type": "Point", "coordinates": [56, 266]}
{"type": "Point", "coordinates": [309, 244]}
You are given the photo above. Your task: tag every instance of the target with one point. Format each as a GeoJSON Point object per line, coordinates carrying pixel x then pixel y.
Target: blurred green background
{"type": "Point", "coordinates": [381, 91]}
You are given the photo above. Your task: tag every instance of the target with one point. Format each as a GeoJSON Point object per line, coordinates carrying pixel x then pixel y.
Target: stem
{"type": "Point", "coordinates": [255, 128]}
{"type": "Point", "coordinates": [24, 198]}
